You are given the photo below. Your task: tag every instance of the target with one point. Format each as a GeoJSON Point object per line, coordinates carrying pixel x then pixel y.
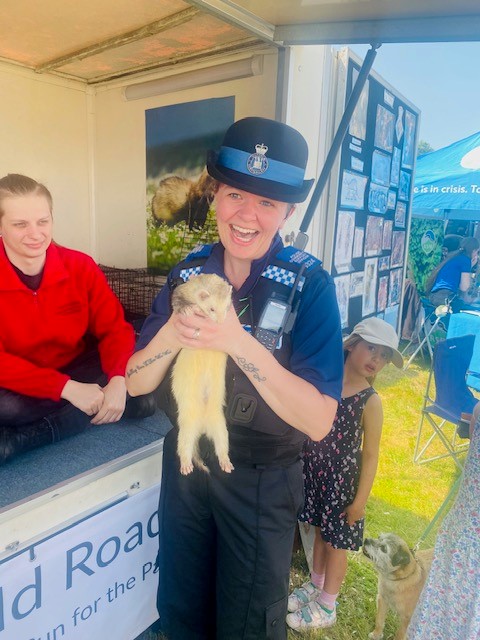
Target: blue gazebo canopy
{"type": "Point", "coordinates": [447, 181]}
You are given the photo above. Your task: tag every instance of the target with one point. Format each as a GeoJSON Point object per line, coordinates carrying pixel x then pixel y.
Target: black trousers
{"type": "Point", "coordinates": [17, 409]}
{"type": "Point", "coordinates": [27, 423]}
{"type": "Point", "coordinates": [225, 549]}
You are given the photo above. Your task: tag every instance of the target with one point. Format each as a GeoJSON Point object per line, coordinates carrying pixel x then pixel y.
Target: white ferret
{"type": "Point", "coordinates": [198, 375]}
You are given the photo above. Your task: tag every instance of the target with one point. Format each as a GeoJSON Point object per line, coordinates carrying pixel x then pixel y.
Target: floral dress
{"type": "Point", "coordinates": [449, 607]}
{"type": "Point", "coordinates": [331, 470]}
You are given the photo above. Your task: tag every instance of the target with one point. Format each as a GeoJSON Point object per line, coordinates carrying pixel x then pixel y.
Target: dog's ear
{"type": "Point", "coordinates": [401, 558]}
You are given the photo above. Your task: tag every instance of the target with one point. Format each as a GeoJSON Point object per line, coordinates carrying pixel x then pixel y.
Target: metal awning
{"type": "Point", "coordinates": [98, 40]}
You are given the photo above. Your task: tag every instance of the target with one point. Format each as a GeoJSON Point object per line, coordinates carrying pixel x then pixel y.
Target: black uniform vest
{"type": "Point", "coordinates": [249, 418]}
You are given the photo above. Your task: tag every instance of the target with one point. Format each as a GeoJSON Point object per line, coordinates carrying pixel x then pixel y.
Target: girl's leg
{"type": "Point", "coordinates": [335, 570]}
{"type": "Point", "coordinates": [319, 560]}
{"type": "Point", "coordinates": [311, 589]}
{"type": "Point", "coordinates": [320, 612]}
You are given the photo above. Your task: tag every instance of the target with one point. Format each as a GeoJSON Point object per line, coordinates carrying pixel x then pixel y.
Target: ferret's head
{"type": "Point", "coordinates": [210, 294]}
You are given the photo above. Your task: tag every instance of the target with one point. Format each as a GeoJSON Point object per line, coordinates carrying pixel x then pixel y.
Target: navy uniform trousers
{"type": "Point", "coordinates": [225, 549]}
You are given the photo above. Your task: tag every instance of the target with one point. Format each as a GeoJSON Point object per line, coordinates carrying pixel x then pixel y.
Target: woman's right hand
{"type": "Point", "coordinates": [85, 396]}
{"type": "Point", "coordinates": [199, 332]}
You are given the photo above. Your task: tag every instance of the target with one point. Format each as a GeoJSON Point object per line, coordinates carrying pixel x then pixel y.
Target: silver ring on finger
{"type": "Point", "coordinates": [196, 334]}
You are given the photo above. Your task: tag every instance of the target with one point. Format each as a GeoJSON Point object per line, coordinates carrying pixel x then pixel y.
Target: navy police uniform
{"type": "Point", "coordinates": [233, 533]}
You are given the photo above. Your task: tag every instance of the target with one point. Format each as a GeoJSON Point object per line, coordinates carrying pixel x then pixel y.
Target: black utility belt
{"type": "Point", "coordinates": [274, 456]}
{"type": "Point", "coordinates": [245, 453]}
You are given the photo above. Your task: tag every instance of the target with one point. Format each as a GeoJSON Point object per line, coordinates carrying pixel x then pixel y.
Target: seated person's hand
{"type": "Point", "coordinates": [115, 396]}
{"type": "Point", "coordinates": [87, 397]}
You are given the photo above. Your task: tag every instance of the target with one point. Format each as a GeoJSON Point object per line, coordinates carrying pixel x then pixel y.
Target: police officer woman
{"type": "Point", "coordinates": [226, 538]}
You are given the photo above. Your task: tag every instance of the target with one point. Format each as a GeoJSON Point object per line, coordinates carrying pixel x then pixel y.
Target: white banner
{"type": "Point", "coordinates": [92, 581]}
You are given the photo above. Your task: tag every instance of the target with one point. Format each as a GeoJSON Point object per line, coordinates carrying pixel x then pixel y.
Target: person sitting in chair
{"type": "Point", "coordinates": [451, 280]}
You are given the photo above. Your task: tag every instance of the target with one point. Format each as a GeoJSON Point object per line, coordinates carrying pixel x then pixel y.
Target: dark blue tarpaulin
{"type": "Point", "coordinates": [447, 181]}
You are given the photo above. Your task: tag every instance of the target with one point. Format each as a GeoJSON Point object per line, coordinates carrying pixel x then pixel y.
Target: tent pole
{"type": "Point", "coordinates": [302, 237]}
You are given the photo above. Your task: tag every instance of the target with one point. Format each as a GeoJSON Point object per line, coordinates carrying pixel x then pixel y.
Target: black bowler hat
{"type": "Point", "coordinates": [264, 157]}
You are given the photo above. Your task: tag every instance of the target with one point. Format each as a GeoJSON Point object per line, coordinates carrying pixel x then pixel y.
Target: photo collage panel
{"type": "Point", "coordinates": [373, 202]}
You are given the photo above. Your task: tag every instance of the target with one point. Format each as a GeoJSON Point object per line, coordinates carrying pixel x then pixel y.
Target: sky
{"type": "Point", "coordinates": [441, 79]}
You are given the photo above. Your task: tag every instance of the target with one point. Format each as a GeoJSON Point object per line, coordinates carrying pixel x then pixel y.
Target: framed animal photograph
{"type": "Point", "coordinates": [392, 199]}
{"type": "Point", "coordinates": [395, 288]}
{"type": "Point", "coordinates": [399, 123]}
{"type": "Point", "coordinates": [404, 186]}
{"type": "Point", "coordinates": [395, 169]}
{"type": "Point", "coordinates": [387, 234]}
{"type": "Point", "coordinates": [344, 241]}
{"type": "Point", "coordinates": [178, 189]}
{"type": "Point", "coordinates": [400, 214]}
{"type": "Point", "coordinates": [353, 190]}
{"type": "Point", "coordinates": [381, 168]}
{"type": "Point", "coordinates": [398, 249]}
{"type": "Point", "coordinates": [409, 143]}
{"type": "Point", "coordinates": [377, 198]}
{"type": "Point", "coordinates": [384, 128]}
{"type": "Point", "coordinates": [369, 299]}
{"type": "Point", "coordinates": [382, 293]}
{"type": "Point", "coordinates": [342, 289]}
{"type": "Point", "coordinates": [373, 236]}
{"type": "Point", "coordinates": [358, 242]}
{"type": "Point", "coordinates": [384, 263]}
{"type": "Point", "coordinates": [356, 284]}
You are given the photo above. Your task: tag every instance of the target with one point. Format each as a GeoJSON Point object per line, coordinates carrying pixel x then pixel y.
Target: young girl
{"type": "Point", "coordinates": [339, 474]}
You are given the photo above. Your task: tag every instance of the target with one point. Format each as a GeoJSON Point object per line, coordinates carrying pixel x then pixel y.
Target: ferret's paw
{"type": "Point", "coordinates": [226, 465]}
{"type": "Point", "coordinates": [375, 635]}
{"type": "Point", "coordinates": [186, 468]}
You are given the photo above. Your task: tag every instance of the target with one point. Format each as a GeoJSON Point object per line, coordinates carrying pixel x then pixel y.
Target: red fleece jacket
{"type": "Point", "coordinates": [42, 331]}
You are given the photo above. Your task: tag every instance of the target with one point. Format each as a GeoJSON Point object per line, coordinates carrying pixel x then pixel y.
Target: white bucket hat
{"type": "Point", "coordinates": [377, 331]}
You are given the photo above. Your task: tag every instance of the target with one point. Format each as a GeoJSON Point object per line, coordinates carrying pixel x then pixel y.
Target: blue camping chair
{"type": "Point", "coordinates": [451, 359]}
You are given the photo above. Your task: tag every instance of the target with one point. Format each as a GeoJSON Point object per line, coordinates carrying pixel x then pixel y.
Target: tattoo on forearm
{"type": "Point", "coordinates": [250, 368]}
{"type": "Point", "coordinates": [145, 363]}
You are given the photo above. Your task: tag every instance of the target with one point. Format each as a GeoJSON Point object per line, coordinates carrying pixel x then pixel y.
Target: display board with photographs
{"type": "Point", "coordinates": [373, 202]}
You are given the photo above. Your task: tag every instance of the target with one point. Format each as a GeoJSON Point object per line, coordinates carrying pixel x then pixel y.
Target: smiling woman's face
{"type": "Point", "coordinates": [26, 228]}
{"type": "Point", "coordinates": [246, 222]}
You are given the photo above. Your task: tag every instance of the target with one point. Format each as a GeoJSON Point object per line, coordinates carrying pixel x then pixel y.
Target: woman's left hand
{"type": "Point", "coordinates": [199, 332]}
{"type": "Point", "coordinates": [115, 393]}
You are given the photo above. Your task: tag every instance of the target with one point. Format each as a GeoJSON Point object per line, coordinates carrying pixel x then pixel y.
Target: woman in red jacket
{"type": "Point", "coordinates": [64, 342]}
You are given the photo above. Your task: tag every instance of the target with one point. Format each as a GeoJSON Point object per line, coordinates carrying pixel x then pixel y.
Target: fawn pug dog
{"type": "Point", "coordinates": [198, 375]}
{"type": "Point", "coordinates": [401, 576]}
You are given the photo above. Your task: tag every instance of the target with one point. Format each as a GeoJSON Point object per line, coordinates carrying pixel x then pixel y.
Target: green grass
{"type": "Point", "coordinates": [405, 498]}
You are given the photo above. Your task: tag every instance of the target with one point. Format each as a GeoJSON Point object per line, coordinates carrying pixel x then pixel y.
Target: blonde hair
{"type": "Point", "coordinates": [15, 185]}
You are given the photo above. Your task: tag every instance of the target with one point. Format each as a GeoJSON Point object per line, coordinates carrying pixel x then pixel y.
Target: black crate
{"type": "Point", "coordinates": [135, 288]}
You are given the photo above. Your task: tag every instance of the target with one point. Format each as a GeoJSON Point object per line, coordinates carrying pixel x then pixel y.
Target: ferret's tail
{"type": "Point", "coordinates": [198, 462]}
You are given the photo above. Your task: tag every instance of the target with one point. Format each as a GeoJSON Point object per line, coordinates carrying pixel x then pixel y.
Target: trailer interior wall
{"type": "Point", "coordinates": [44, 125]}
{"type": "Point", "coordinates": [120, 163]}
{"type": "Point", "coordinates": [87, 144]}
